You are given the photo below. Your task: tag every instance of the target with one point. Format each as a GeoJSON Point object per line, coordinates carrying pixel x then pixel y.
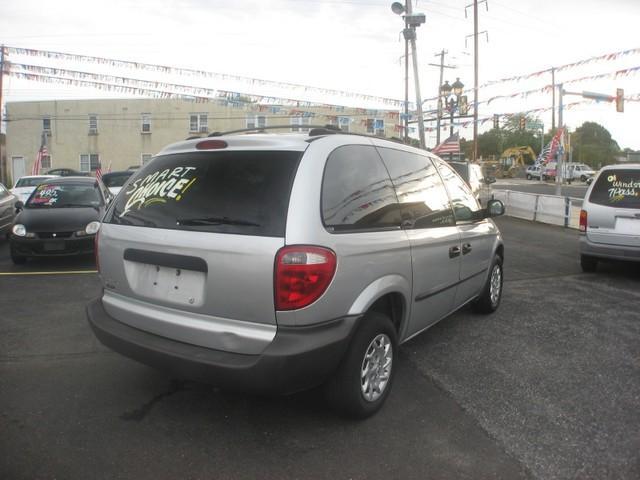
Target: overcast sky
{"type": "Point", "coordinates": [352, 45]}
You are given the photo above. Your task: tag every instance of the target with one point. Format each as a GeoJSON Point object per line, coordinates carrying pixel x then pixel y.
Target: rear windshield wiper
{"type": "Point", "coordinates": [215, 221]}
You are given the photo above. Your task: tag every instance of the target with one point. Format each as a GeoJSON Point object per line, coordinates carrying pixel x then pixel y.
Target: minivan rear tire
{"type": "Point", "coordinates": [487, 301]}
{"type": "Point", "coordinates": [344, 391]}
{"type": "Point", "coordinates": [588, 264]}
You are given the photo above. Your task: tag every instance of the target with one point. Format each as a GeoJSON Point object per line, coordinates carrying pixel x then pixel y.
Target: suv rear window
{"type": "Point", "coordinates": [240, 192]}
{"type": "Point", "coordinates": [617, 188]}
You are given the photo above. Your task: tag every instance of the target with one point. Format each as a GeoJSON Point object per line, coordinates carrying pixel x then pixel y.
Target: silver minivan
{"type": "Point", "coordinates": [275, 263]}
{"type": "Point", "coordinates": [610, 217]}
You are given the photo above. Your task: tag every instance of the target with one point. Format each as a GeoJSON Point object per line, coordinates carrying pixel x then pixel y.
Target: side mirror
{"type": "Point", "coordinates": [19, 206]}
{"type": "Point", "coordinates": [490, 180]}
{"type": "Point", "coordinates": [495, 208]}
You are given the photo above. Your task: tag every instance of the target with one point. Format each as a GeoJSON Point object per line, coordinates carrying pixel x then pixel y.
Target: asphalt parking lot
{"type": "Point", "coordinates": [547, 387]}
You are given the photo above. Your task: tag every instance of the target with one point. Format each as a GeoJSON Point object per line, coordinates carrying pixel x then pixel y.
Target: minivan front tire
{"type": "Point", "coordinates": [489, 299]}
{"type": "Point", "coordinates": [363, 380]}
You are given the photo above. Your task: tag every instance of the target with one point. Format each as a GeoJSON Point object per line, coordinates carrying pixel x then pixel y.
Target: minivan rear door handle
{"type": "Point", "coordinates": [466, 248]}
{"type": "Point", "coordinates": [454, 252]}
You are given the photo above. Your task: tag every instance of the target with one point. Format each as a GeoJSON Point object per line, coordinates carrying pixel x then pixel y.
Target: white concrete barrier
{"type": "Point", "coordinates": [563, 211]}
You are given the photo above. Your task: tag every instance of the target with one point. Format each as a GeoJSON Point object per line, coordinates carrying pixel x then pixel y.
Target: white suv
{"type": "Point", "coordinates": [610, 217]}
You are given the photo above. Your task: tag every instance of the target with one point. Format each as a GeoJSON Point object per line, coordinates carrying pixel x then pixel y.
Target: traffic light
{"type": "Point", "coordinates": [523, 123]}
{"type": "Point", "coordinates": [619, 100]}
{"type": "Point", "coordinates": [496, 121]}
{"type": "Point", "coordinates": [463, 105]}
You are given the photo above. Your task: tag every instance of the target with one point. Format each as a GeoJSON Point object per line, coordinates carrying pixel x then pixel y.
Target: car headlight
{"type": "Point", "coordinates": [92, 228]}
{"type": "Point", "coordinates": [19, 230]}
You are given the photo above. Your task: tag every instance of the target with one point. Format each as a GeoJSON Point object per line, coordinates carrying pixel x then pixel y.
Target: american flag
{"type": "Point", "coordinates": [548, 153]}
{"type": "Point", "coordinates": [99, 171]}
{"type": "Point", "coordinates": [43, 152]}
{"type": "Point", "coordinates": [542, 158]}
{"type": "Point", "coordinates": [450, 145]}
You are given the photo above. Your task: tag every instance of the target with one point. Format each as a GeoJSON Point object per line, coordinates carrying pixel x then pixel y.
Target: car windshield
{"type": "Point", "coordinates": [116, 180]}
{"type": "Point", "coordinates": [30, 181]}
{"type": "Point", "coordinates": [617, 188]}
{"type": "Point", "coordinates": [67, 195]}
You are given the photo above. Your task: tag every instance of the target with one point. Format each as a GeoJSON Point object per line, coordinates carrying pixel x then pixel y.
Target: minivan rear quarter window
{"type": "Point", "coordinates": [617, 188]}
{"type": "Point", "coordinates": [357, 193]}
{"type": "Point", "coordinates": [239, 192]}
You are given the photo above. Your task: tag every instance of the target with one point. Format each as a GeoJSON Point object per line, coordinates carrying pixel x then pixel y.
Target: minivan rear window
{"type": "Point", "coordinates": [617, 188]}
{"type": "Point", "coordinates": [239, 192]}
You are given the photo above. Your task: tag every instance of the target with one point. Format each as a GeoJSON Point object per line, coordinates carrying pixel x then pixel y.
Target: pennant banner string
{"type": "Point", "coordinates": [385, 100]}
{"type": "Point", "coordinates": [191, 72]}
{"type": "Point", "coordinates": [171, 88]}
{"type": "Point", "coordinates": [163, 94]}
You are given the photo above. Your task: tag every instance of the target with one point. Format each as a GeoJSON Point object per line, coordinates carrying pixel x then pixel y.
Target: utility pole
{"type": "Point", "coordinates": [560, 158]}
{"type": "Point", "coordinates": [553, 98]}
{"type": "Point", "coordinates": [2, 159]}
{"type": "Point", "coordinates": [406, 78]}
{"type": "Point", "coordinates": [475, 72]}
{"type": "Point", "coordinates": [475, 79]}
{"type": "Point", "coordinates": [438, 106]}
{"type": "Point", "coordinates": [442, 66]}
{"type": "Point", "coordinates": [411, 22]}
{"type": "Point", "coordinates": [411, 33]}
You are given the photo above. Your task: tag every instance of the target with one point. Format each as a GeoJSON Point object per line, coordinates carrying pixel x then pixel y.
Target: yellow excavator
{"type": "Point", "coordinates": [511, 163]}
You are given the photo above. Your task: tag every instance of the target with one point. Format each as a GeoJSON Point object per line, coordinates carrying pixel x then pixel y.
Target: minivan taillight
{"type": "Point", "coordinates": [583, 221]}
{"type": "Point", "coordinates": [302, 274]}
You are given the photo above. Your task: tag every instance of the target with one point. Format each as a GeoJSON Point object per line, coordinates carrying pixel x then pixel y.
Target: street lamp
{"type": "Point", "coordinates": [457, 87]}
{"type": "Point", "coordinates": [411, 22]}
{"type": "Point", "coordinates": [453, 100]}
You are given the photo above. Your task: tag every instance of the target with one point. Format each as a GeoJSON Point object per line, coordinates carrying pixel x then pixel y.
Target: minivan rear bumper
{"type": "Point", "coordinates": [605, 250]}
{"type": "Point", "coordinates": [298, 358]}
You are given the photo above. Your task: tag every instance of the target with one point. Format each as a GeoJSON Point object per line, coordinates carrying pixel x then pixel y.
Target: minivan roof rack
{"type": "Point", "coordinates": [315, 129]}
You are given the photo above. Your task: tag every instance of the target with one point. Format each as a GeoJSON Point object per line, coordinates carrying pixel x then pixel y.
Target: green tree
{"type": "Point", "coordinates": [592, 144]}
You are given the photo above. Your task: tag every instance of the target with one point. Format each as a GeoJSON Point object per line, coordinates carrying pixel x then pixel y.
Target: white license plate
{"type": "Point", "coordinates": [173, 285]}
{"type": "Point", "coordinates": [629, 226]}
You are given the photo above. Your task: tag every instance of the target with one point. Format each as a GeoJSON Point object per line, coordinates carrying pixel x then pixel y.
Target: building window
{"type": "Point", "coordinates": [146, 123]}
{"type": "Point", "coordinates": [198, 122]}
{"type": "Point", "coordinates": [46, 162]}
{"type": "Point", "coordinates": [300, 121]}
{"type": "Point", "coordinates": [256, 121]}
{"type": "Point", "coordinates": [343, 123]}
{"type": "Point", "coordinates": [89, 162]}
{"type": "Point", "coordinates": [145, 157]}
{"type": "Point", "coordinates": [46, 125]}
{"type": "Point", "coordinates": [93, 124]}
{"type": "Point", "coordinates": [375, 126]}
{"type": "Point", "coordinates": [340, 122]}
